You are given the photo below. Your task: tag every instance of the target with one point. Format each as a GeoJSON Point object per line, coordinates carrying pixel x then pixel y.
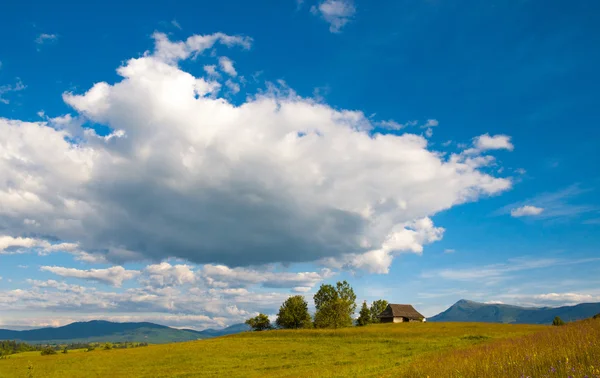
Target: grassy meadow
{"type": "Point", "coordinates": [384, 350]}
{"type": "Point", "coordinates": [375, 350]}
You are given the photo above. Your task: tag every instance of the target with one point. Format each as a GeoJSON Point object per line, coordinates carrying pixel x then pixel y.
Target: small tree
{"type": "Point", "coordinates": [293, 313]}
{"type": "Point", "coordinates": [597, 316]}
{"type": "Point", "coordinates": [260, 322]}
{"type": "Point", "coordinates": [335, 305]}
{"type": "Point", "coordinates": [377, 308]}
{"type": "Point", "coordinates": [364, 317]}
{"type": "Point", "coordinates": [557, 321]}
{"type": "Point", "coordinates": [65, 350]}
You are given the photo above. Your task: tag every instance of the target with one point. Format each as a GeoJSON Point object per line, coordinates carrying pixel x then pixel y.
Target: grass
{"type": "Point", "coordinates": [572, 350]}
{"type": "Point", "coordinates": [385, 349]}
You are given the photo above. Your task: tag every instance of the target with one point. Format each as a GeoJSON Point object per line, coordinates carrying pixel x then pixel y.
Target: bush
{"type": "Point", "coordinates": [48, 351]}
{"type": "Point", "coordinates": [558, 321]}
{"type": "Point", "coordinates": [597, 316]}
{"type": "Point", "coordinates": [65, 350]}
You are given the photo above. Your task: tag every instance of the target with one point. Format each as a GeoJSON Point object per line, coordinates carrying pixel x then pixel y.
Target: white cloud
{"type": "Point", "coordinates": [486, 142]}
{"type": "Point", "coordinates": [226, 65]}
{"type": "Point", "coordinates": [554, 204]}
{"type": "Point", "coordinates": [113, 276]}
{"type": "Point", "coordinates": [276, 178]}
{"type": "Point", "coordinates": [43, 38]}
{"type": "Point", "coordinates": [336, 12]}
{"type": "Point", "coordinates": [525, 211]}
{"type": "Point", "coordinates": [393, 125]}
{"type": "Point", "coordinates": [223, 276]}
{"type": "Point", "coordinates": [165, 274]}
{"type": "Point", "coordinates": [429, 132]}
{"type": "Point", "coordinates": [449, 250]}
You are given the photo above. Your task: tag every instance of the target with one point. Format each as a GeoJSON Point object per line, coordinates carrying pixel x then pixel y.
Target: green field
{"type": "Point", "coordinates": [376, 350]}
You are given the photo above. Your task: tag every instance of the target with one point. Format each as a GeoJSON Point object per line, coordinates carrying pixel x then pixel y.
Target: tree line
{"type": "Point", "coordinates": [334, 308]}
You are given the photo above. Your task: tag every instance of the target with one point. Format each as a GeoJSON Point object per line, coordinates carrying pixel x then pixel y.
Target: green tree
{"type": "Point", "coordinates": [260, 322]}
{"type": "Point", "coordinates": [293, 313]}
{"type": "Point", "coordinates": [557, 321]}
{"type": "Point", "coordinates": [364, 316]}
{"type": "Point", "coordinates": [335, 305]}
{"type": "Point", "coordinates": [377, 308]}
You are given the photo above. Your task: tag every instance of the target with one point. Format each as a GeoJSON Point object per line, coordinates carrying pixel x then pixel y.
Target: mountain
{"type": "Point", "coordinates": [469, 311]}
{"type": "Point", "coordinates": [104, 331]}
{"type": "Point", "coordinates": [236, 328]}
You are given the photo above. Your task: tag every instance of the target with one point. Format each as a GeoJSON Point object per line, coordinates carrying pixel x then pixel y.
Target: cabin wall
{"type": "Point", "coordinates": [398, 320]}
{"type": "Point", "coordinates": [387, 320]}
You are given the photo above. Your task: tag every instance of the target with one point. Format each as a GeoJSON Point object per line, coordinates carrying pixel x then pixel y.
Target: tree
{"type": "Point", "coordinates": [260, 322]}
{"type": "Point", "coordinates": [335, 305]}
{"type": "Point", "coordinates": [293, 313]}
{"type": "Point", "coordinates": [364, 317]}
{"type": "Point", "coordinates": [377, 308]}
{"type": "Point", "coordinates": [557, 321]}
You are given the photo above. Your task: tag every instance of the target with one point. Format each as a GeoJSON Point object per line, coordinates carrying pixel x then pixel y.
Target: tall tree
{"type": "Point", "coordinates": [335, 305]}
{"type": "Point", "coordinates": [293, 313]}
{"type": "Point", "coordinates": [377, 308]}
{"type": "Point", "coordinates": [260, 322]}
{"type": "Point", "coordinates": [364, 316]}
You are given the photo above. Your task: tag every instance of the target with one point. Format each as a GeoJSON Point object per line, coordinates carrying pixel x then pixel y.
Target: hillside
{"type": "Point", "coordinates": [371, 351]}
{"type": "Point", "coordinates": [103, 331]}
{"type": "Point", "coordinates": [469, 311]}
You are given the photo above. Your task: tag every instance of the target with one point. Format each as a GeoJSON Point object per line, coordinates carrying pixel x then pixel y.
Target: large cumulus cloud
{"type": "Point", "coordinates": [186, 173]}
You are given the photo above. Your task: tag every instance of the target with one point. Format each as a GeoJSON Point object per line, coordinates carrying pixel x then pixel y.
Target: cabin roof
{"type": "Point", "coordinates": [401, 310]}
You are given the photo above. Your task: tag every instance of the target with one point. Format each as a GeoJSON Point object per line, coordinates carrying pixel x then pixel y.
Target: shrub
{"type": "Point", "coordinates": [48, 351]}
{"type": "Point", "coordinates": [597, 316]}
{"type": "Point", "coordinates": [65, 350]}
{"type": "Point", "coordinates": [558, 321]}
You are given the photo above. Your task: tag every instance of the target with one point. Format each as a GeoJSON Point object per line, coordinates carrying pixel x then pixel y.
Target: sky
{"type": "Point", "coordinates": [195, 163]}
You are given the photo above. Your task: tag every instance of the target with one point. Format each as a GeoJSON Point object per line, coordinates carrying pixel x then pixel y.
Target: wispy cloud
{"type": "Point", "coordinates": [554, 205]}
{"type": "Point", "coordinates": [45, 38]}
{"type": "Point", "coordinates": [496, 272]}
{"type": "Point", "coordinates": [4, 89]}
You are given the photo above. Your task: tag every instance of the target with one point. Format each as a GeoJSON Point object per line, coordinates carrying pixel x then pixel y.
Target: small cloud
{"type": "Point", "coordinates": [176, 24]}
{"type": "Point", "coordinates": [526, 211]}
{"type": "Point", "coordinates": [493, 142]}
{"type": "Point", "coordinates": [520, 171]}
{"type": "Point", "coordinates": [449, 250]}
{"type": "Point", "coordinates": [429, 132]}
{"type": "Point", "coordinates": [44, 38]}
{"type": "Point", "coordinates": [211, 70]}
{"type": "Point", "coordinates": [430, 123]}
{"type": "Point", "coordinates": [23, 266]}
{"type": "Point", "coordinates": [226, 65]}
{"type": "Point", "coordinates": [447, 143]}
{"type": "Point", "coordinates": [336, 12]}
{"type": "Point", "coordinates": [233, 87]}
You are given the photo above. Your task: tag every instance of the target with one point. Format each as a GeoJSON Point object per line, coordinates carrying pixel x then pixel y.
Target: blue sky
{"type": "Point", "coordinates": [193, 164]}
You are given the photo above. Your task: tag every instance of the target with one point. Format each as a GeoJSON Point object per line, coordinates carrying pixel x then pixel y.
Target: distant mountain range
{"type": "Point", "coordinates": [104, 331]}
{"type": "Point", "coordinates": [469, 311]}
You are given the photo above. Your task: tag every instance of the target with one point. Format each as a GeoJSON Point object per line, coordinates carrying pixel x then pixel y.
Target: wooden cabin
{"type": "Point", "coordinates": [400, 313]}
